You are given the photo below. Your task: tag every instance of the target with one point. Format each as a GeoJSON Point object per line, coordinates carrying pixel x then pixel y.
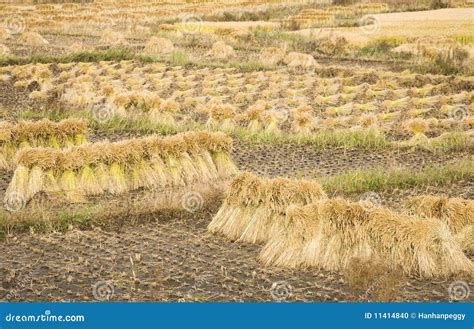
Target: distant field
{"type": "Point", "coordinates": [443, 22]}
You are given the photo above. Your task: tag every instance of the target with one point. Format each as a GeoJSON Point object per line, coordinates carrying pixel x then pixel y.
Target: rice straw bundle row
{"type": "Point", "coordinates": [151, 105]}
{"type": "Point", "coordinates": [252, 118]}
{"type": "Point", "coordinates": [329, 233]}
{"type": "Point", "coordinates": [257, 118]}
{"type": "Point", "coordinates": [254, 208]}
{"type": "Point", "coordinates": [221, 116]}
{"type": "Point", "coordinates": [152, 162]}
{"type": "Point", "coordinates": [43, 133]}
{"type": "Point", "coordinates": [465, 238]}
{"type": "Point", "coordinates": [457, 213]}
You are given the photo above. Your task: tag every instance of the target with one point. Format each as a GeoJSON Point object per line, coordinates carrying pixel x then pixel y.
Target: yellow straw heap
{"type": "Point", "coordinates": [152, 162]}
{"type": "Point", "coordinates": [254, 208]}
{"type": "Point", "coordinates": [329, 233]}
{"type": "Point", "coordinates": [457, 213]}
{"type": "Point", "coordinates": [44, 133]}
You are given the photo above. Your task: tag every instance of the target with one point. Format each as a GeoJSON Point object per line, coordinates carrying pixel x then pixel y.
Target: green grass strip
{"type": "Point", "coordinates": [365, 180]}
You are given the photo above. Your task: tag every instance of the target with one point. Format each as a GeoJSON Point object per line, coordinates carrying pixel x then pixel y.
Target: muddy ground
{"type": "Point", "coordinates": [171, 259]}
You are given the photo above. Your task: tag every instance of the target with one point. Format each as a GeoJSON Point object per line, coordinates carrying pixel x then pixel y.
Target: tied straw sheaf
{"type": "Point", "coordinates": [151, 162]}
{"type": "Point", "coordinates": [457, 213]}
{"type": "Point", "coordinates": [329, 233]}
{"type": "Point", "coordinates": [44, 133]}
{"type": "Point", "coordinates": [254, 208]}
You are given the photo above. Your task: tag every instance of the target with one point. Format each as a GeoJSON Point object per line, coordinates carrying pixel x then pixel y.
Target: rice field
{"type": "Point", "coordinates": [236, 151]}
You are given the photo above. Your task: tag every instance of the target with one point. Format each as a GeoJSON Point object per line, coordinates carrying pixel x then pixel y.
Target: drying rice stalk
{"type": "Point", "coordinates": [418, 127]}
{"type": "Point", "coordinates": [273, 119]}
{"type": "Point", "coordinates": [4, 50]}
{"type": "Point", "coordinates": [427, 101]}
{"type": "Point", "coordinates": [110, 37]}
{"type": "Point", "coordinates": [43, 133]}
{"type": "Point", "coordinates": [221, 117]}
{"type": "Point", "coordinates": [368, 120]}
{"type": "Point", "coordinates": [252, 118]}
{"type": "Point", "coordinates": [300, 60]}
{"type": "Point", "coordinates": [329, 233]}
{"type": "Point", "coordinates": [79, 47]}
{"type": "Point", "coordinates": [158, 46]}
{"type": "Point", "coordinates": [221, 51]}
{"type": "Point", "coordinates": [396, 104]}
{"type": "Point", "coordinates": [465, 240]}
{"type": "Point", "coordinates": [254, 208]}
{"type": "Point", "coordinates": [457, 213]}
{"type": "Point", "coordinates": [33, 39]}
{"type": "Point", "coordinates": [303, 121]}
{"type": "Point", "coordinates": [151, 162]}
{"type": "Point", "coordinates": [270, 57]}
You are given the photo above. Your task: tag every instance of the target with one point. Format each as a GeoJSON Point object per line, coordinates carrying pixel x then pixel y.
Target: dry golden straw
{"type": "Point", "coordinates": [329, 233]}
{"type": "Point", "coordinates": [254, 208]}
{"type": "Point", "coordinates": [152, 162]}
{"type": "Point", "coordinates": [44, 133]}
{"type": "Point", "coordinates": [457, 213]}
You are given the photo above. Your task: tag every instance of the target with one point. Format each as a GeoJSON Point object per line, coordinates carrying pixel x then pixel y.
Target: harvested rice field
{"type": "Point", "coordinates": [413, 24]}
{"type": "Point", "coordinates": [237, 151]}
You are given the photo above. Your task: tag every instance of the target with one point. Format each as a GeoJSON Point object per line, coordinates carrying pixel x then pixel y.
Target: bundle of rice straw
{"type": "Point", "coordinates": [33, 39]}
{"type": "Point", "coordinates": [79, 47]}
{"type": "Point", "coordinates": [457, 213]}
{"type": "Point", "coordinates": [300, 60]}
{"type": "Point", "coordinates": [329, 233]}
{"type": "Point", "coordinates": [222, 51]}
{"type": "Point", "coordinates": [158, 46]}
{"type": "Point", "coordinates": [417, 127]}
{"type": "Point", "coordinates": [221, 116]}
{"type": "Point", "coordinates": [4, 50]}
{"type": "Point", "coordinates": [465, 239]}
{"type": "Point", "coordinates": [111, 37]}
{"type": "Point", "coordinates": [151, 162]}
{"type": "Point", "coordinates": [252, 118]}
{"type": "Point", "coordinates": [272, 120]}
{"type": "Point", "coordinates": [271, 56]}
{"type": "Point", "coordinates": [303, 121]}
{"type": "Point", "coordinates": [4, 35]}
{"type": "Point", "coordinates": [44, 133]}
{"type": "Point", "coordinates": [254, 208]}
